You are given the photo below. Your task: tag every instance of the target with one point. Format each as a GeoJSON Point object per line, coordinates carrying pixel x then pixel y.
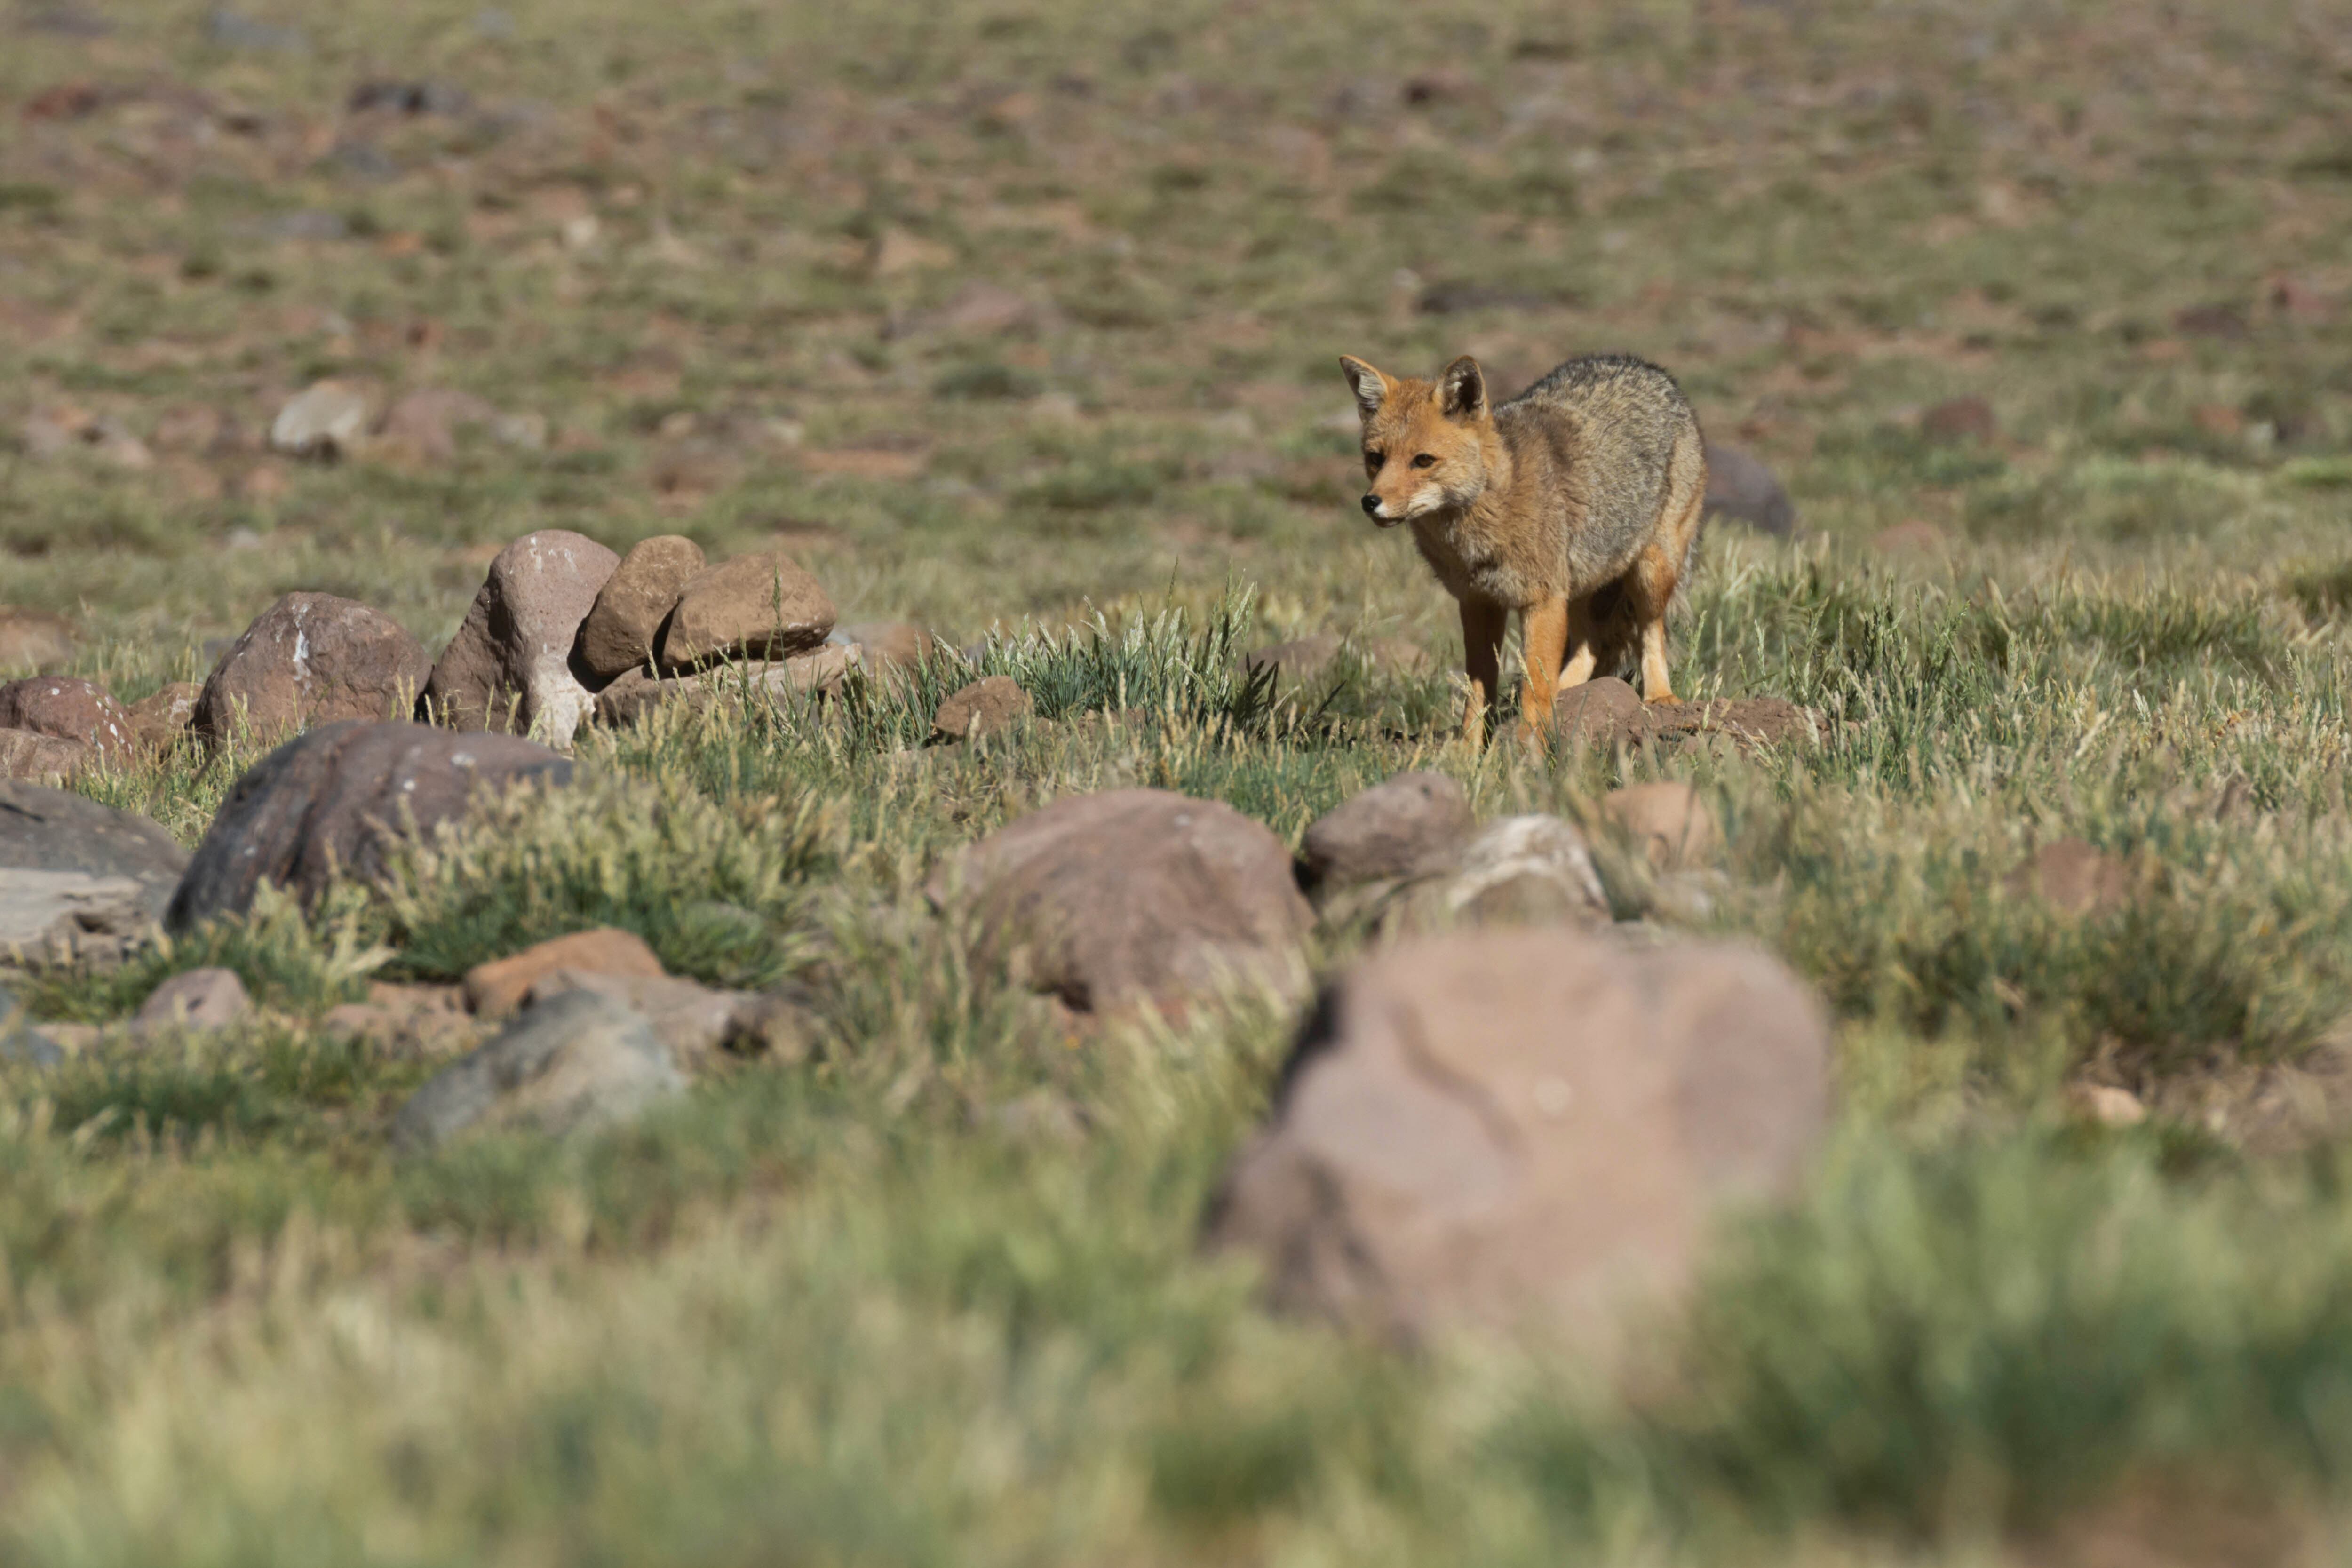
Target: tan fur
{"type": "Point", "coordinates": [1576, 503]}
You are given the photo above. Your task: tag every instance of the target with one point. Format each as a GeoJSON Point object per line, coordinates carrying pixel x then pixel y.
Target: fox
{"type": "Point", "coordinates": [1576, 503]}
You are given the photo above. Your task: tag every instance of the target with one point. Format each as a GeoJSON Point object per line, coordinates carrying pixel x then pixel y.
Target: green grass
{"type": "Point", "coordinates": [934, 1294]}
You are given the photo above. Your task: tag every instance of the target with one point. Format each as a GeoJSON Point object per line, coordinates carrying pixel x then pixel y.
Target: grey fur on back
{"type": "Point", "coordinates": [1623, 416]}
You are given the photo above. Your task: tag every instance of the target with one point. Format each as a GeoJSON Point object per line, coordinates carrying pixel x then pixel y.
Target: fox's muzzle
{"type": "Point", "coordinates": [1372, 510]}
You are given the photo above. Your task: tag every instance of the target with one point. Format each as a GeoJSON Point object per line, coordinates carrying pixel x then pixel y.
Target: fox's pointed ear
{"type": "Point", "coordinates": [1462, 390]}
{"type": "Point", "coordinates": [1371, 386]}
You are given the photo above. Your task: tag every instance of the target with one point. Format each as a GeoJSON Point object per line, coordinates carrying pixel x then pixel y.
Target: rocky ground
{"type": "Point", "coordinates": [715, 846]}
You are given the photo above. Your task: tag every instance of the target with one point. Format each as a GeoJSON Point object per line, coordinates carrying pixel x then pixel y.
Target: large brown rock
{"type": "Point", "coordinates": [70, 709]}
{"type": "Point", "coordinates": [312, 658]}
{"type": "Point", "coordinates": [754, 607]}
{"type": "Point", "coordinates": [41, 759]}
{"type": "Point", "coordinates": [509, 666]}
{"type": "Point", "coordinates": [335, 800]}
{"type": "Point", "coordinates": [1414, 824]}
{"type": "Point", "coordinates": [1131, 896]}
{"type": "Point", "coordinates": [622, 627]}
{"type": "Point", "coordinates": [34, 639]}
{"type": "Point", "coordinates": [1530, 1126]}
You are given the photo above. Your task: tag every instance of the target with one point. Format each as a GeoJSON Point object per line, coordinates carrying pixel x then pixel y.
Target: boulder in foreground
{"type": "Point", "coordinates": [1482, 1131]}
{"type": "Point", "coordinates": [1132, 895]}
{"type": "Point", "coordinates": [335, 800]}
{"type": "Point", "coordinates": [572, 1062]}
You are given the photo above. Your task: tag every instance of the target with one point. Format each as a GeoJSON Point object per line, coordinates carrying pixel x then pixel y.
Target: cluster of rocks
{"type": "Point", "coordinates": [563, 631]}
{"type": "Point", "coordinates": [82, 882]}
{"type": "Point", "coordinates": [1540, 1118]}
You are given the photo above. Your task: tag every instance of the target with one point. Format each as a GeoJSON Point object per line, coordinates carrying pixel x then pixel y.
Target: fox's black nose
{"type": "Point", "coordinates": [1372, 506]}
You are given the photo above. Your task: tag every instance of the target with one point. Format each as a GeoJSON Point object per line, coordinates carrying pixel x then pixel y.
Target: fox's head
{"type": "Point", "coordinates": [1426, 442]}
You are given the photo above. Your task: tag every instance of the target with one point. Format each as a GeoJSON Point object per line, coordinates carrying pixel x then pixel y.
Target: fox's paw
{"type": "Point", "coordinates": [1665, 700]}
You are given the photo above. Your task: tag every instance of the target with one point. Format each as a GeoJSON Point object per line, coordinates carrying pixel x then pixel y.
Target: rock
{"type": "Point", "coordinates": [19, 1041]}
{"type": "Point", "coordinates": [620, 631]}
{"type": "Point", "coordinates": [334, 800]}
{"type": "Point", "coordinates": [161, 722]}
{"type": "Point", "coordinates": [2071, 875]}
{"type": "Point", "coordinates": [1414, 824]}
{"type": "Point", "coordinates": [496, 988]}
{"type": "Point", "coordinates": [1959, 420]}
{"type": "Point", "coordinates": [77, 878]}
{"type": "Point", "coordinates": [328, 419]}
{"type": "Point", "coordinates": [311, 658]}
{"type": "Point", "coordinates": [196, 999]}
{"type": "Point", "coordinates": [61, 917]}
{"type": "Point", "coordinates": [1494, 1130]}
{"type": "Point", "coordinates": [407, 1022]}
{"type": "Point", "coordinates": [754, 607]}
{"type": "Point", "coordinates": [1750, 722]}
{"type": "Point", "coordinates": [1130, 896]}
{"type": "Point", "coordinates": [695, 1022]}
{"type": "Point", "coordinates": [423, 424]}
{"type": "Point", "coordinates": [34, 639]}
{"type": "Point", "coordinates": [886, 645]}
{"type": "Point", "coordinates": [510, 667]}
{"type": "Point", "coordinates": [1670, 821]}
{"type": "Point", "coordinates": [1913, 536]}
{"type": "Point", "coordinates": [636, 692]}
{"type": "Point", "coordinates": [1601, 712]}
{"type": "Point", "coordinates": [989, 705]}
{"type": "Point", "coordinates": [2105, 1104]}
{"type": "Point", "coordinates": [42, 758]}
{"type": "Point", "coordinates": [573, 1063]}
{"type": "Point", "coordinates": [1516, 870]}
{"type": "Point", "coordinates": [1742, 489]}
{"type": "Point", "coordinates": [77, 711]}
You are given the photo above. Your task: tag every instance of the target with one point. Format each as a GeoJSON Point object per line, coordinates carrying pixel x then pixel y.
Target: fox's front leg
{"type": "Point", "coordinates": [1482, 659]}
{"type": "Point", "coordinates": [1546, 641]}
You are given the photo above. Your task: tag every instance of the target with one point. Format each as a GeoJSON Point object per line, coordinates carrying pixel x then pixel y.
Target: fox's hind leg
{"type": "Point", "coordinates": [1583, 657]}
{"type": "Point", "coordinates": [1651, 585]}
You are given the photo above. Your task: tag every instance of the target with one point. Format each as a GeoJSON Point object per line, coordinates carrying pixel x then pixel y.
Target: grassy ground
{"type": "Point", "coordinates": [935, 1297]}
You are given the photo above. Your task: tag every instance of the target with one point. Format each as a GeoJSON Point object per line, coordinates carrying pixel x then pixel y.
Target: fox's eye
{"type": "Point", "coordinates": [1374, 460]}
{"type": "Point", "coordinates": [1424, 461]}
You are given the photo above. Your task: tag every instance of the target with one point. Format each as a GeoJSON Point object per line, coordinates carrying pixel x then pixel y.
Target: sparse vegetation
{"type": "Point", "coordinates": [933, 1296]}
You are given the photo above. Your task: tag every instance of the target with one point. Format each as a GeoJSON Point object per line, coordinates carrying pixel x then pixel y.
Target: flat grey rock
{"type": "Point", "coordinates": [75, 875]}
